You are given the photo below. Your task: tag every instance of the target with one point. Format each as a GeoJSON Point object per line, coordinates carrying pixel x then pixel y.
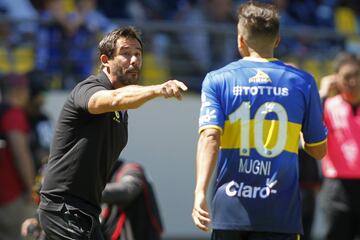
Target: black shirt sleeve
{"type": "Point", "coordinates": [83, 92]}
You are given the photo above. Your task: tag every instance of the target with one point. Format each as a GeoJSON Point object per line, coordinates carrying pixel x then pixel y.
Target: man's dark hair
{"type": "Point", "coordinates": [107, 45]}
{"type": "Point", "coordinates": [259, 20]}
{"type": "Point", "coordinates": [344, 58]}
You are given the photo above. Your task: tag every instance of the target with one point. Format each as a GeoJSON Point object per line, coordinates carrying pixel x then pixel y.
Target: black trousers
{"type": "Point", "coordinates": [340, 205]}
{"type": "Point", "coordinates": [69, 223]}
{"type": "Point", "coordinates": [243, 235]}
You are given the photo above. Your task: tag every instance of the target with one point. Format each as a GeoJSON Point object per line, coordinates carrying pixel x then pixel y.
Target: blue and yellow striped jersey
{"type": "Point", "coordinates": [261, 106]}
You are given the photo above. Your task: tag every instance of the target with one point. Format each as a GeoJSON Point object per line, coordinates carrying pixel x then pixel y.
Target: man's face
{"type": "Point", "coordinates": [126, 64]}
{"type": "Point", "coordinates": [348, 80]}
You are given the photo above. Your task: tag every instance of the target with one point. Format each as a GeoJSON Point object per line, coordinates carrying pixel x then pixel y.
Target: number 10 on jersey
{"type": "Point", "coordinates": [242, 114]}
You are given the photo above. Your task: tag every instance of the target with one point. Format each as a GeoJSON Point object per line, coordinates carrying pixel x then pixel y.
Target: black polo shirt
{"type": "Point", "coordinates": [84, 149]}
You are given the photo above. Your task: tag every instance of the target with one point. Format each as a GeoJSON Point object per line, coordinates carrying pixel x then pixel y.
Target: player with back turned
{"type": "Point", "coordinates": [254, 112]}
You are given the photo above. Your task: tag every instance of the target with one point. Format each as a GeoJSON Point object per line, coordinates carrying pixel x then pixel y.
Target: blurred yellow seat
{"type": "Point", "coordinates": [314, 67]}
{"type": "Point", "coordinates": [152, 72]}
{"type": "Point", "coordinates": [69, 6]}
{"type": "Point", "coordinates": [5, 66]}
{"type": "Point", "coordinates": [23, 59]}
{"type": "Point", "coordinates": [345, 20]}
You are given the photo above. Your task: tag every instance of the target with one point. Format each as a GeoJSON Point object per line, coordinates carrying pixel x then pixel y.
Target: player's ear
{"type": "Point", "coordinates": [241, 41]}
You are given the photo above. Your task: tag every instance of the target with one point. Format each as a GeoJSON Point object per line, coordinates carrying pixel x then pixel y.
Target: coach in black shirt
{"type": "Point", "coordinates": [90, 134]}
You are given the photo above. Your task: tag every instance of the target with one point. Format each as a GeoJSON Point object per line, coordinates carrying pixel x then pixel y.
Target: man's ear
{"type": "Point", "coordinates": [241, 41]}
{"type": "Point", "coordinates": [104, 60]}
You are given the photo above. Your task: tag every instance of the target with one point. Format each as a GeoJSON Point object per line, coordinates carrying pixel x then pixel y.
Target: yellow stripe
{"type": "Point", "coordinates": [231, 136]}
{"type": "Point", "coordinates": [210, 126]}
{"type": "Point", "coordinates": [316, 144]}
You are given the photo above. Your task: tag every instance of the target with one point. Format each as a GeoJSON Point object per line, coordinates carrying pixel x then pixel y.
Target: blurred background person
{"type": "Point", "coordinates": [206, 49]}
{"type": "Point", "coordinates": [23, 17]}
{"type": "Point", "coordinates": [340, 193]}
{"type": "Point", "coordinates": [51, 49]}
{"type": "Point", "coordinates": [16, 165]}
{"type": "Point", "coordinates": [130, 210]}
{"type": "Point", "coordinates": [87, 27]}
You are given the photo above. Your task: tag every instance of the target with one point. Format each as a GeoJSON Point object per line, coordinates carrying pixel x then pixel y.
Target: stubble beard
{"type": "Point", "coordinates": [126, 77]}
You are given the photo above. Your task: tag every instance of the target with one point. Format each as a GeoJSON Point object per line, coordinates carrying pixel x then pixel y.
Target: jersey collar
{"type": "Point", "coordinates": [255, 59]}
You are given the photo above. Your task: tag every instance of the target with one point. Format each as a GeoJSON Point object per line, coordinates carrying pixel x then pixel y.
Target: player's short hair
{"type": "Point", "coordinates": [107, 45]}
{"type": "Point", "coordinates": [258, 20]}
{"type": "Point", "coordinates": [344, 58]}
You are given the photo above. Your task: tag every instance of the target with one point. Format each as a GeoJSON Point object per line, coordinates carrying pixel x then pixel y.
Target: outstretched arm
{"type": "Point", "coordinates": [132, 96]}
{"type": "Point", "coordinates": [207, 152]}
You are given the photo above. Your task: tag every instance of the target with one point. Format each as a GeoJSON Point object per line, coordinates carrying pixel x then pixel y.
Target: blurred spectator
{"type": "Point", "coordinates": [16, 165]}
{"type": "Point", "coordinates": [51, 41]}
{"type": "Point", "coordinates": [208, 49]}
{"type": "Point", "coordinates": [5, 27]}
{"type": "Point", "coordinates": [168, 10]}
{"type": "Point", "coordinates": [22, 15]}
{"type": "Point", "coordinates": [87, 25]}
{"type": "Point", "coordinates": [130, 210]}
{"type": "Point", "coordinates": [304, 11]}
{"type": "Point", "coordinates": [65, 46]}
{"type": "Point", "coordinates": [340, 193]}
{"type": "Point", "coordinates": [115, 9]}
{"type": "Point", "coordinates": [291, 41]}
{"type": "Point", "coordinates": [301, 16]}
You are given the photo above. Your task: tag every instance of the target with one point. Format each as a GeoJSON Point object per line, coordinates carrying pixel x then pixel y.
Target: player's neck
{"type": "Point", "coordinates": [264, 54]}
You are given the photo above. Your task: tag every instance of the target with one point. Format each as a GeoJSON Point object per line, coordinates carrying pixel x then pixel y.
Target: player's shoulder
{"type": "Point", "coordinates": [89, 82]}
{"type": "Point", "coordinates": [297, 72]}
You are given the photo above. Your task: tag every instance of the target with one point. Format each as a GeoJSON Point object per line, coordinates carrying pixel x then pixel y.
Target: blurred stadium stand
{"type": "Point", "coordinates": [166, 57]}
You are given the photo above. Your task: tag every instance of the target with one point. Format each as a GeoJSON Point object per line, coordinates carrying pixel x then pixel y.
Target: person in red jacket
{"type": "Point", "coordinates": [340, 192]}
{"type": "Point", "coordinates": [16, 164]}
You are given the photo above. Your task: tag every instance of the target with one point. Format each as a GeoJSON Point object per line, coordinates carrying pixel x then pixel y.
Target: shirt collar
{"type": "Point", "coordinates": [255, 59]}
{"type": "Point", "coordinates": [105, 80]}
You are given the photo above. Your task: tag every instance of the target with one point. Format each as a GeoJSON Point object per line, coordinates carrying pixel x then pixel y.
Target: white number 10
{"type": "Point", "coordinates": [243, 115]}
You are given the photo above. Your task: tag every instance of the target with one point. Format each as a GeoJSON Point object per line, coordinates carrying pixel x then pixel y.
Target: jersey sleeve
{"type": "Point", "coordinates": [313, 127]}
{"type": "Point", "coordinates": [211, 112]}
{"type": "Point", "coordinates": [83, 93]}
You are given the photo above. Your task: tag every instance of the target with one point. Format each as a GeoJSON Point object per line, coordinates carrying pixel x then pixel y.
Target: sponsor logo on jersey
{"type": "Point", "coordinates": [208, 116]}
{"type": "Point", "coordinates": [204, 102]}
{"type": "Point", "coordinates": [235, 189]}
{"type": "Point", "coordinates": [260, 90]}
{"type": "Point", "coordinates": [260, 77]}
